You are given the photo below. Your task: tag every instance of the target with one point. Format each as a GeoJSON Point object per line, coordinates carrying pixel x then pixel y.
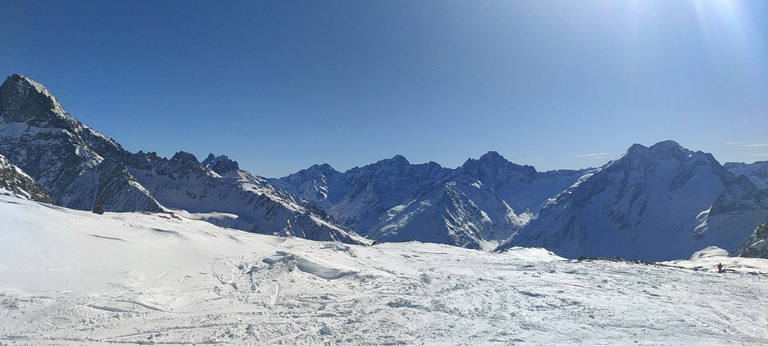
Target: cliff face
{"type": "Point", "coordinates": [14, 182]}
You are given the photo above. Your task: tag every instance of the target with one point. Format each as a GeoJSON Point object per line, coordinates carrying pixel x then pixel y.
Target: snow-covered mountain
{"type": "Point", "coordinates": [80, 167]}
{"type": "Point", "coordinates": [14, 182]}
{"type": "Point", "coordinates": [217, 191]}
{"type": "Point", "coordinates": [756, 172]}
{"type": "Point", "coordinates": [657, 203]}
{"type": "Point", "coordinates": [476, 205]}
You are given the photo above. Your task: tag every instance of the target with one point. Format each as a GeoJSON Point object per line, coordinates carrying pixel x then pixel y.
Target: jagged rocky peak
{"type": "Point", "coordinates": [494, 169]}
{"type": "Point", "coordinates": [220, 164]}
{"type": "Point", "coordinates": [395, 161]}
{"type": "Point", "coordinates": [639, 156]}
{"type": "Point", "coordinates": [26, 104]}
{"type": "Point", "coordinates": [183, 165]}
{"type": "Point", "coordinates": [494, 160]}
{"type": "Point", "coordinates": [142, 160]}
{"type": "Point", "coordinates": [492, 156]}
{"type": "Point", "coordinates": [26, 101]}
{"type": "Point", "coordinates": [61, 154]}
{"type": "Point", "coordinates": [635, 152]}
{"type": "Point", "coordinates": [669, 150]}
{"type": "Point", "coordinates": [311, 177]}
{"type": "Point", "coordinates": [324, 169]}
{"type": "Point", "coordinates": [185, 159]}
{"type": "Point", "coordinates": [394, 169]}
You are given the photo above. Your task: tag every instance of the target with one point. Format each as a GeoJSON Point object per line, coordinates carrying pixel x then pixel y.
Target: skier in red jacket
{"type": "Point", "coordinates": [719, 267]}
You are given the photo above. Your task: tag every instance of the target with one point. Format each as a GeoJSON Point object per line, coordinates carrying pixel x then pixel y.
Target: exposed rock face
{"type": "Point", "coordinates": [757, 245]}
{"type": "Point", "coordinates": [75, 164]}
{"type": "Point", "coordinates": [81, 167]}
{"type": "Point", "coordinates": [14, 182]}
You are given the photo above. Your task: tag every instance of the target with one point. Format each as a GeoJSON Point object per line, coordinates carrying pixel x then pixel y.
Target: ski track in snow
{"type": "Point", "coordinates": [217, 286]}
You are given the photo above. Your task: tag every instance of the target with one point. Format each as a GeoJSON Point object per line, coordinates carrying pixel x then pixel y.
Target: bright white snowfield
{"type": "Point", "coordinates": [72, 277]}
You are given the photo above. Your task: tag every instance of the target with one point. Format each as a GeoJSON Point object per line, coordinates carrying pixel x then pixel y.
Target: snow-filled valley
{"type": "Point", "coordinates": [73, 277]}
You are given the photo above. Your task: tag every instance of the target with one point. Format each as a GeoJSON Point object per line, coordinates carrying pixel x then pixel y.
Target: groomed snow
{"type": "Point", "coordinates": [71, 277]}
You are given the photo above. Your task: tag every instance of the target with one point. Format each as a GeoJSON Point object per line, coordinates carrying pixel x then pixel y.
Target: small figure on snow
{"type": "Point", "coordinates": [719, 267]}
{"type": "Point", "coordinates": [98, 209]}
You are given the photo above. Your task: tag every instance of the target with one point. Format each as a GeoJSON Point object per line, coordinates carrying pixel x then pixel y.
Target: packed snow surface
{"type": "Point", "coordinates": [73, 277]}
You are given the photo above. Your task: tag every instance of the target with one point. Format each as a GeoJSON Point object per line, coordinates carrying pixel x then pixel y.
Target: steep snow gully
{"type": "Point", "coordinates": [71, 277]}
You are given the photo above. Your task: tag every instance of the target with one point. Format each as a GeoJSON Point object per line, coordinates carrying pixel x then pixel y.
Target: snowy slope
{"type": "Point", "coordinates": [657, 203]}
{"type": "Point", "coordinates": [69, 277]}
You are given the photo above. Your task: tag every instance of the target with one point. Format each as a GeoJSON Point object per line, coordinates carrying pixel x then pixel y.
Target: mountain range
{"type": "Point", "coordinates": [653, 203]}
{"type": "Point", "coordinates": [477, 205]}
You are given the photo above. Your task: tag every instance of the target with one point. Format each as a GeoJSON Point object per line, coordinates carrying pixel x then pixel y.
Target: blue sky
{"type": "Point", "coordinates": [282, 85]}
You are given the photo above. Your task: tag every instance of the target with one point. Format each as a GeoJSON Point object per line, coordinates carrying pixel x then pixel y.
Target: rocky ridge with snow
{"type": "Point", "coordinates": [14, 182]}
{"type": "Point", "coordinates": [476, 205]}
{"type": "Point", "coordinates": [653, 203]}
{"type": "Point", "coordinates": [80, 167]}
{"type": "Point", "coordinates": [217, 191]}
{"type": "Point", "coordinates": [756, 172]}
{"type": "Point", "coordinates": [757, 245]}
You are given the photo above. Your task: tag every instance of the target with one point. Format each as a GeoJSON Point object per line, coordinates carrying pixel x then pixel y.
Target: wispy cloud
{"type": "Point", "coordinates": [756, 145]}
{"type": "Point", "coordinates": [587, 156]}
{"type": "Point", "coordinates": [438, 66]}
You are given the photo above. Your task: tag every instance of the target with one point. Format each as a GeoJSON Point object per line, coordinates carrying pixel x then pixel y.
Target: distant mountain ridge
{"type": "Point", "coordinates": [393, 200]}
{"type": "Point", "coordinates": [653, 203]}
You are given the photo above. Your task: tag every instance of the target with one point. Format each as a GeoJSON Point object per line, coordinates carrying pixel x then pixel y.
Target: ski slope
{"type": "Point", "coordinates": [70, 277]}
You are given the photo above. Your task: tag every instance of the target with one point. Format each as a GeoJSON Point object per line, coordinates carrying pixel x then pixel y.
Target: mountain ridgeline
{"type": "Point", "coordinates": [652, 203]}
{"type": "Point", "coordinates": [477, 205]}
{"type": "Point", "coordinates": [79, 167]}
